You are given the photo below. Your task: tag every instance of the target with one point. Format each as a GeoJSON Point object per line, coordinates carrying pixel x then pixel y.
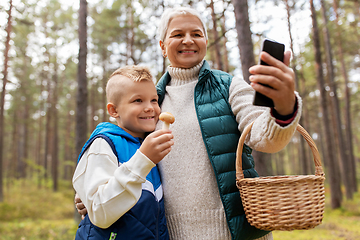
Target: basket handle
{"type": "Point", "coordinates": [318, 168]}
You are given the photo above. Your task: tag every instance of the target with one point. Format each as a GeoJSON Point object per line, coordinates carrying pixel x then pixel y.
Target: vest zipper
{"type": "Point", "coordinates": [157, 220]}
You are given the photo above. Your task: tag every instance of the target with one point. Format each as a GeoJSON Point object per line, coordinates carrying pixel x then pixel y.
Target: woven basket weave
{"type": "Point", "coordinates": [282, 202]}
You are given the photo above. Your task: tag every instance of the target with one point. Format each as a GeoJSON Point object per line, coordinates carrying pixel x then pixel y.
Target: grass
{"type": "Point", "coordinates": [28, 229]}
{"type": "Point", "coordinates": [30, 213]}
{"type": "Point", "coordinates": [339, 224]}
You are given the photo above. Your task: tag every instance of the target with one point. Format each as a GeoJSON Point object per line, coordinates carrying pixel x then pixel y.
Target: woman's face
{"type": "Point", "coordinates": [185, 42]}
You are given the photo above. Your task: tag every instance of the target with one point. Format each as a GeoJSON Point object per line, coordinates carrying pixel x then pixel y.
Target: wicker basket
{"type": "Point", "coordinates": [282, 202]}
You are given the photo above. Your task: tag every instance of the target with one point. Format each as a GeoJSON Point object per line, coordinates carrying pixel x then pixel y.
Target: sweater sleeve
{"type": "Point", "coordinates": [266, 134]}
{"type": "Point", "coordinates": [107, 190]}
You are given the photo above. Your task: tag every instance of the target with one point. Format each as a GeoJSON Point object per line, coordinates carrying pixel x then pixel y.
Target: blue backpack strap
{"type": "Point", "coordinates": [92, 139]}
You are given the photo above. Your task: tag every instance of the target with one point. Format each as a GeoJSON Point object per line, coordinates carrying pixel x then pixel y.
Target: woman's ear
{"type": "Point", "coordinates": [162, 46]}
{"type": "Point", "coordinates": [111, 108]}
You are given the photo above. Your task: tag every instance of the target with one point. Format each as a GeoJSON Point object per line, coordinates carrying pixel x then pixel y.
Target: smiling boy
{"type": "Point", "coordinates": [116, 176]}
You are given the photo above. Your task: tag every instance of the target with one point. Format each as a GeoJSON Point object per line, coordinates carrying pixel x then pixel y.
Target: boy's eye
{"type": "Point", "coordinates": [154, 100]}
{"type": "Point", "coordinates": [137, 100]}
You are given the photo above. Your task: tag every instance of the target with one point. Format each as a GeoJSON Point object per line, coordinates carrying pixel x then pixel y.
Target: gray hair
{"type": "Point", "coordinates": [170, 13]}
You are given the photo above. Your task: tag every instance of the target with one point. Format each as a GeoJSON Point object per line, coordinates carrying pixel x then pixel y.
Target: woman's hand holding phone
{"type": "Point", "coordinates": [273, 80]}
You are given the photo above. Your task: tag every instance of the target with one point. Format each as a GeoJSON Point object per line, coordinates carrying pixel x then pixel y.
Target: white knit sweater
{"type": "Point", "coordinates": [192, 201]}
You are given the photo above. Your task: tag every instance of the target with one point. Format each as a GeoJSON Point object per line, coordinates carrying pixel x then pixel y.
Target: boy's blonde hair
{"type": "Point", "coordinates": [133, 72]}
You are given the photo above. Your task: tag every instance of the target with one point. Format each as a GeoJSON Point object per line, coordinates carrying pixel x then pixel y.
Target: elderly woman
{"type": "Point", "coordinates": [211, 109]}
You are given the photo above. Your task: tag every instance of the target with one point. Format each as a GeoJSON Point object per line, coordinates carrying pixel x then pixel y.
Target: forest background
{"type": "Point", "coordinates": [57, 56]}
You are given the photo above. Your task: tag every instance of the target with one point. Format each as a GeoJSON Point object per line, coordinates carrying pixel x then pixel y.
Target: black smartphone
{"type": "Point", "coordinates": [276, 50]}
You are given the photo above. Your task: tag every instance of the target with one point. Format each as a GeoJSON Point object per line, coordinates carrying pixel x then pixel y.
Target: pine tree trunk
{"type": "Point", "coordinates": [2, 99]}
{"type": "Point", "coordinates": [39, 141]}
{"type": "Point", "coordinates": [279, 163]}
{"type": "Point", "coordinates": [333, 88]}
{"type": "Point", "coordinates": [247, 58]}
{"type": "Point", "coordinates": [20, 168]}
{"type": "Point", "coordinates": [226, 57]}
{"type": "Point", "coordinates": [218, 60]}
{"type": "Point", "coordinates": [92, 105]}
{"type": "Point", "coordinates": [245, 44]}
{"type": "Point", "coordinates": [55, 142]}
{"type": "Point", "coordinates": [82, 91]}
{"type": "Point", "coordinates": [330, 157]}
{"type": "Point", "coordinates": [348, 135]}
{"type": "Point", "coordinates": [48, 136]}
{"type": "Point", "coordinates": [25, 119]}
{"type": "Point", "coordinates": [103, 85]}
{"type": "Point", "coordinates": [26, 138]}
{"type": "Point", "coordinates": [130, 36]}
{"type": "Point", "coordinates": [67, 149]}
{"type": "Point", "coordinates": [14, 145]}
{"type": "Point", "coordinates": [306, 118]}
{"type": "Point", "coordinates": [303, 151]}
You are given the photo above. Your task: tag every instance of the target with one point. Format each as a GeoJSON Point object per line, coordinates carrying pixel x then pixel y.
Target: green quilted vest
{"type": "Point", "coordinates": [221, 135]}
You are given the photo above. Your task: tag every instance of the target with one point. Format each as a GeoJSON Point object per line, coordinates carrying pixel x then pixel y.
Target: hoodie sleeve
{"type": "Point", "coordinates": [108, 190]}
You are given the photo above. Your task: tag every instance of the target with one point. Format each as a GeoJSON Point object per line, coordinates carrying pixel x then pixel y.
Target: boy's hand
{"type": "Point", "coordinates": [80, 207]}
{"type": "Point", "coordinates": [280, 77]}
{"type": "Point", "coordinates": [157, 145]}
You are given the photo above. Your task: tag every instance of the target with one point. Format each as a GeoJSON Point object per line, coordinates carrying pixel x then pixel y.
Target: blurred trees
{"type": "Point", "coordinates": [2, 99]}
{"type": "Point", "coordinates": [54, 79]}
{"type": "Point", "coordinates": [246, 49]}
{"type": "Point", "coordinates": [330, 158]}
{"type": "Point", "coordinates": [82, 88]}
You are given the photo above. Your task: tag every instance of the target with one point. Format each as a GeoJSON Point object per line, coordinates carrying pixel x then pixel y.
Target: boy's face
{"type": "Point", "coordinates": [138, 109]}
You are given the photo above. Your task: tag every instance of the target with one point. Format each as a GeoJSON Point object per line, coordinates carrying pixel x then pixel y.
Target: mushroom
{"type": "Point", "coordinates": [167, 118]}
